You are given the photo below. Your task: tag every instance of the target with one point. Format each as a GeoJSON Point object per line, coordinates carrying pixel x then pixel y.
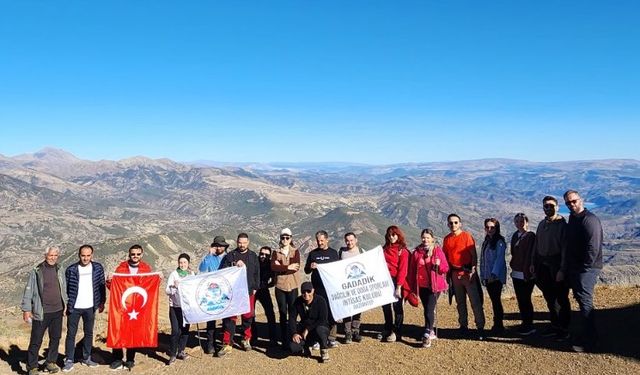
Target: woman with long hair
{"type": "Point", "coordinates": [397, 258]}
{"type": "Point", "coordinates": [285, 264]}
{"type": "Point", "coordinates": [428, 268]}
{"type": "Point", "coordinates": [493, 269]}
{"type": "Point", "coordinates": [179, 332]}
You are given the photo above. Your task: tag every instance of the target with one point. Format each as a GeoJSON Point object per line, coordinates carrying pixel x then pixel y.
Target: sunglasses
{"type": "Point", "coordinates": [285, 237]}
{"type": "Point", "coordinates": [548, 205]}
{"type": "Point", "coordinates": [453, 222]}
{"type": "Point", "coordinates": [264, 255]}
{"type": "Point", "coordinates": [135, 254]}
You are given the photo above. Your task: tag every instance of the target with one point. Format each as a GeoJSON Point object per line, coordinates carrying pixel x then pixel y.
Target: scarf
{"type": "Point", "coordinates": [181, 272]}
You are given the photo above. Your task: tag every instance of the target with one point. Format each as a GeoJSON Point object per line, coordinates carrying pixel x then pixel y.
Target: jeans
{"type": "Point", "coordinates": [429, 300]}
{"type": "Point", "coordinates": [556, 294]}
{"type": "Point", "coordinates": [583, 284]}
{"type": "Point", "coordinates": [179, 332]}
{"type": "Point", "coordinates": [52, 322]}
{"type": "Point", "coordinates": [88, 319]}
{"type": "Point", "coordinates": [495, 292]}
{"type": "Point", "coordinates": [523, 289]}
{"type": "Point", "coordinates": [264, 297]}
{"type": "Point", "coordinates": [286, 311]}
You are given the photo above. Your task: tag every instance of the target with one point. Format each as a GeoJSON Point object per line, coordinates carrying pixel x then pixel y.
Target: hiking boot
{"type": "Point", "coordinates": [324, 355]}
{"type": "Point", "coordinates": [183, 356]}
{"type": "Point", "coordinates": [526, 330]}
{"type": "Point", "coordinates": [426, 342]}
{"type": "Point", "coordinates": [116, 365]}
{"type": "Point", "coordinates": [172, 360]}
{"type": "Point", "coordinates": [356, 336]}
{"type": "Point", "coordinates": [226, 349]}
{"type": "Point", "coordinates": [51, 368]}
{"type": "Point", "coordinates": [129, 365]}
{"type": "Point", "coordinates": [68, 366]}
{"type": "Point", "coordinates": [89, 363]}
{"type": "Point", "coordinates": [332, 344]}
{"type": "Point", "coordinates": [390, 338]}
{"type": "Point", "coordinates": [33, 371]}
{"type": "Point", "coordinates": [348, 338]}
{"type": "Point", "coordinates": [246, 345]}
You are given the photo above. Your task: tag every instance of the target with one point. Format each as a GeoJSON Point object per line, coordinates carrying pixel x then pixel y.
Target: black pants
{"type": "Point", "coordinates": [53, 323]}
{"type": "Point", "coordinates": [398, 313]}
{"type": "Point", "coordinates": [286, 312]}
{"type": "Point", "coordinates": [429, 300]}
{"type": "Point", "coordinates": [320, 335]}
{"type": "Point", "coordinates": [333, 328]}
{"type": "Point", "coordinates": [179, 333]}
{"type": "Point", "coordinates": [211, 336]}
{"type": "Point", "coordinates": [264, 297]}
{"type": "Point", "coordinates": [118, 354]}
{"type": "Point", "coordinates": [556, 294]}
{"type": "Point", "coordinates": [495, 292]}
{"type": "Point", "coordinates": [73, 319]}
{"type": "Point", "coordinates": [523, 289]}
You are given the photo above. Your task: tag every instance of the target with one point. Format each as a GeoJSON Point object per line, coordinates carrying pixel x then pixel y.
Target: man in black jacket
{"type": "Point", "coordinates": [263, 295]}
{"type": "Point", "coordinates": [314, 325]}
{"type": "Point", "coordinates": [241, 257]}
{"type": "Point", "coordinates": [584, 263]}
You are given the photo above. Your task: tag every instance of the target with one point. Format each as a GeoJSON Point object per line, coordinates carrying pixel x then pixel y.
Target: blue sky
{"type": "Point", "coordinates": [356, 81]}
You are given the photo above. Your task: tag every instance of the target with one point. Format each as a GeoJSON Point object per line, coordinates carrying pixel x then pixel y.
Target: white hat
{"type": "Point", "coordinates": [286, 232]}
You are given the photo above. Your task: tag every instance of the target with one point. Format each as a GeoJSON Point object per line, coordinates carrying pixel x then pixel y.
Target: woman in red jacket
{"type": "Point", "coordinates": [397, 257]}
{"type": "Point", "coordinates": [428, 268]}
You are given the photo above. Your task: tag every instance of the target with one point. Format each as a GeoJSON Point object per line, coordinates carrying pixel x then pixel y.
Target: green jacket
{"type": "Point", "coordinates": [32, 300]}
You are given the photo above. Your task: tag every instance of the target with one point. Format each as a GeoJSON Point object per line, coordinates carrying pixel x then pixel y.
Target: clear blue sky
{"type": "Point", "coordinates": [356, 81]}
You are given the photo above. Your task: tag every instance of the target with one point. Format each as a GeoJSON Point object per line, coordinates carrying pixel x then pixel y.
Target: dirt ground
{"type": "Point", "coordinates": [618, 319]}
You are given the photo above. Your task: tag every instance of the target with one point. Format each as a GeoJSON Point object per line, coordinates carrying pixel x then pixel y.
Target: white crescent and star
{"type": "Point", "coordinates": [133, 315]}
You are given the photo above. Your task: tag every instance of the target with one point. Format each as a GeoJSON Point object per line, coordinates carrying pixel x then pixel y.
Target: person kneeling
{"type": "Point", "coordinates": [314, 323]}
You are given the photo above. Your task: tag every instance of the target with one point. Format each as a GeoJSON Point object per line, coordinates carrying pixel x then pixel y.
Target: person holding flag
{"type": "Point", "coordinates": [179, 330]}
{"type": "Point", "coordinates": [132, 324]}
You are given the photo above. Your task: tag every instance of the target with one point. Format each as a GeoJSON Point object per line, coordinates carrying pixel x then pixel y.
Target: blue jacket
{"type": "Point", "coordinates": [99, 290]}
{"type": "Point", "coordinates": [492, 261]}
{"type": "Point", "coordinates": [210, 263]}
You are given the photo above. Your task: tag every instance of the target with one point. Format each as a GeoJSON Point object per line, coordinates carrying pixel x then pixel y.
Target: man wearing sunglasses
{"type": "Point", "coordinates": [133, 265]}
{"type": "Point", "coordinates": [313, 326]}
{"type": "Point", "coordinates": [584, 263]}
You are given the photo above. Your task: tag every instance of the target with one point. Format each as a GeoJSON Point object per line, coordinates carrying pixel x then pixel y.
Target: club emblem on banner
{"type": "Point", "coordinates": [355, 270]}
{"type": "Point", "coordinates": [214, 295]}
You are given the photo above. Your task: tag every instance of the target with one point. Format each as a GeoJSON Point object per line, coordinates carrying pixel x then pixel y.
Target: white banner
{"type": "Point", "coordinates": [214, 295]}
{"type": "Point", "coordinates": [358, 283]}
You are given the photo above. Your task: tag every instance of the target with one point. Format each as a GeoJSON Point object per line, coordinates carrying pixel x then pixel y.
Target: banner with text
{"type": "Point", "coordinates": [214, 295]}
{"type": "Point", "coordinates": [357, 284]}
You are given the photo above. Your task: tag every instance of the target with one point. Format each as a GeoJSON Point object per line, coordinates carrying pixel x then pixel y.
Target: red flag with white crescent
{"type": "Point", "coordinates": [133, 311]}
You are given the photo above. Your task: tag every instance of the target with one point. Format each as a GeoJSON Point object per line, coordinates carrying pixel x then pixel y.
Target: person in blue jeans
{"type": "Point", "coordinates": [584, 263]}
{"type": "Point", "coordinates": [87, 293]}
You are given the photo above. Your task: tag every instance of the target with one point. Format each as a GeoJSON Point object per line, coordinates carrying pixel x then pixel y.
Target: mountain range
{"type": "Point", "coordinates": [52, 197]}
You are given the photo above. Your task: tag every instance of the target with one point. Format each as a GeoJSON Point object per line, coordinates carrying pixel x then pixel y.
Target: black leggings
{"type": "Point", "coordinates": [429, 300]}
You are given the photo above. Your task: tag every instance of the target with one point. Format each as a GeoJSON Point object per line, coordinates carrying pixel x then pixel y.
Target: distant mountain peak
{"type": "Point", "coordinates": [49, 154]}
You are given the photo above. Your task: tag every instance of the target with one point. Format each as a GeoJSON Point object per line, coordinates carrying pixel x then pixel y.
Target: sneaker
{"type": "Point", "coordinates": [129, 365]}
{"type": "Point", "coordinates": [89, 363]}
{"type": "Point", "coordinates": [183, 356]}
{"type": "Point", "coordinates": [246, 345]}
{"type": "Point", "coordinates": [226, 349]}
{"type": "Point", "coordinates": [33, 371]}
{"type": "Point", "coordinates": [51, 368]}
{"type": "Point", "coordinates": [432, 335]}
{"type": "Point", "coordinates": [390, 338]}
{"type": "Point", "coordinates": [526, 330]}
{"type": "Point", "coordinates": [116, 365]}
{"type": "Point", "coordinates": [172, 360]}
{"type": "Point", "coordinates": [324, 355]}
{"type": "Point", "coordinates": [426, 342]}
{"type": "Point", "coordinates": [68, 366]}
{"type": "Point", "coordinates": [481, 334]}
{"type": "Point", "coordinates": [348, 338]}
{"type": "Point", "coordinates": [356, 336]}
{"type": "Point", "coordinates": [316, 346]}
{"type": "Point", "coordinates": [332, 344]}
{"type": "Point", "coordinates": [577, 348]}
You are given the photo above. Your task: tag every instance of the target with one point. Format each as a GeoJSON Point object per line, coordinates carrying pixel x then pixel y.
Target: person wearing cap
{"type": "Point", "coordinates": [210, 263]}
{"type": "Point", "coordinates": [285, 263]}
{"type": "Point", "coordinates": [322, 254]}
{"type": "Point", "coordinates": [314, 324]}
{"type": "Point", "coordinates": [179, 330]}
{"type": "Point", "coordinates": [241, 257]}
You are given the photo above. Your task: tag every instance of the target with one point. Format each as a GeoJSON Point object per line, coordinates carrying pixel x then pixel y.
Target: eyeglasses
{"type": "Point", "coordinates": [285, 237]}
{"type": "Point", "coordinates": [264, 255]}
{"type": "Point", "coordinates": [548, 205]}
{"type": "Point", "coordinates": [453, 222]}
{"type": "Point", "coordinates": [135, 254]}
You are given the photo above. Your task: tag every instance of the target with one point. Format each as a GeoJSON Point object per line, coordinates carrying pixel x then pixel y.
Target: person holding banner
{"type": "Point", "coordinates": [428, 268]}
{"type": "Point", "coordinates": [322, 254]}
{"type": "Point", "coordinates": [134, 265]}
{"type": "Point", "coordinates": [314, 324]}
{"type": "Point", "coordinates": [179, 331]}
{"type": "Point", "coordinates": [351, 323]}
{"type": "Point", "coordinates": [285, 263]}
{"type": "Point", "coordinates": [210, 263]}
{"type": "Point", "coordinates": [241, 257]}
{"type": "Point", "coordinates": [396, 255]}
{"type": "Point", "coordinates": [263, 295]}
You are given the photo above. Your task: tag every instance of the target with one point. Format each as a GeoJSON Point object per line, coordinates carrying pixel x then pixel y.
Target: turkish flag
{"type": "Point", "coordinates": [133, 311]}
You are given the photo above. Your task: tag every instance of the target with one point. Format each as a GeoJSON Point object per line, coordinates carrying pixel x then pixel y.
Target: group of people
{"type": "Point", "coordinates": [560, 256]}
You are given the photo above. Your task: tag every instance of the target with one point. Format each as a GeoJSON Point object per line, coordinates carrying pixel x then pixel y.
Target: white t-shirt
{"type": "Point", "coordinates": [85, 287]}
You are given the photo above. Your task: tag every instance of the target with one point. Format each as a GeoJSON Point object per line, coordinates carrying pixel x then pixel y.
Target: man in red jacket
{"type": "Point", "coordinates": [133, 265]}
